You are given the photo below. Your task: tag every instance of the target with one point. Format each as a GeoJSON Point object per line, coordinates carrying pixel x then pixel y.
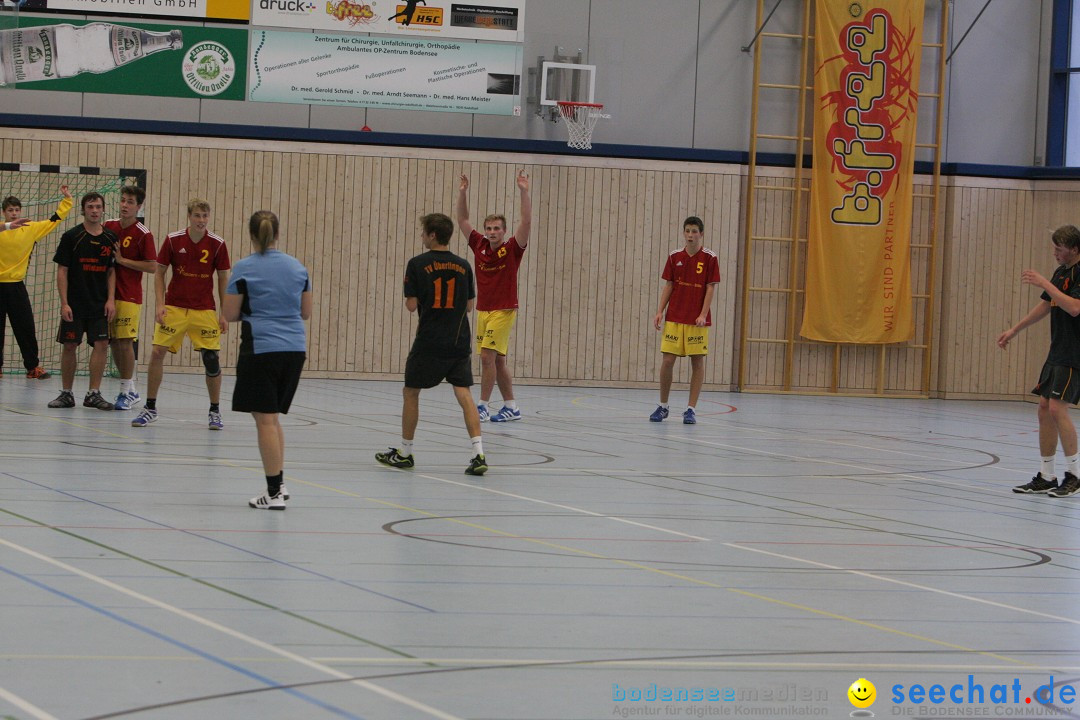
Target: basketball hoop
{"type": "Point", "coordinates": [580, 120]}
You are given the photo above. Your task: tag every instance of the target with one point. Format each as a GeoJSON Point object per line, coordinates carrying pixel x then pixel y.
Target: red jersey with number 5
{"type": "Point", "coordinates": [496, 272]}
{"type": "Point", "coordinates": [194, 269]}
{"type": "Point", "coordinates": [136, 243]}
{"type": "Point", "coordinates": [690, 275]}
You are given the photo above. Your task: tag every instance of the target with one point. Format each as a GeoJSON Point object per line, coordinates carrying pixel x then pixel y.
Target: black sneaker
{"type": "Point", "coordinates": [1038, 485]}
{"type": "Point", "coordinates": [65, 399]}
{"type": "Point", "coordinates": [395, 459]}
{"type": "Point", "coordinates": [93, 399]}
{"type": "Point", "coordinates": [1070, 485]}
{"type": "Point", "coordinates": [477, 466]}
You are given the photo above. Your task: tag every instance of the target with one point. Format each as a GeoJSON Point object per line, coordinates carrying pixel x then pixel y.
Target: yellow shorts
{"type": "Point", "coordinates": [125, 325]}
{"type": "Point", "coordinates": [683, 340]}
{"type": "Point", "coordinates": [199, 325]}
{"type": "Point", "coordinates": [493, 329]}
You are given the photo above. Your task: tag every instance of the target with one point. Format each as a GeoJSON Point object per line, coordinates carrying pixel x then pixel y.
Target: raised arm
{"type": "Point", "coordinates": [41, 228]}
{"type": "Point", "coordinates": [525, 223]}
{"type": "Point", "coordinates": [462, 207]}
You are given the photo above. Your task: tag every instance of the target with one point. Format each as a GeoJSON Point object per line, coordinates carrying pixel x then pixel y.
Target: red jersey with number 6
{"type": "Point", "coordinates": [690, 275]}
{"type": "Point", "coordinates": [136, 243]}
{"type": "Point", "coordinates": [194, 267]}
{"type": "Point", "coordinates": [496, 272]}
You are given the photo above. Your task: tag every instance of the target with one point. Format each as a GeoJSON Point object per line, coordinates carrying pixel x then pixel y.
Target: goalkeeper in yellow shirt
{"type": "Point", "coordinates": [16, 243]}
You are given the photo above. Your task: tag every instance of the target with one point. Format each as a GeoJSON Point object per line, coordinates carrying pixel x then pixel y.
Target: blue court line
{"type": "Point", "coordinates": [182, 645]}
{"type": "Point", "coordinates": [228, 545]}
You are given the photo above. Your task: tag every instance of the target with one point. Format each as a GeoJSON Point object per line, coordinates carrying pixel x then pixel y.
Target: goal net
{"type": "Point", "coordinates": [38, 189]}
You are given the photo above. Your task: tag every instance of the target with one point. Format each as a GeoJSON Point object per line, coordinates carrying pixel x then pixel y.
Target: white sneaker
{"type": "Point", "coordinates": [265, 502]}
{"type": "Point", "coordinates": [284, 492]}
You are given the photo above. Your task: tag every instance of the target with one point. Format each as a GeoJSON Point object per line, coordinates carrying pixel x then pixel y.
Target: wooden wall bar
{"type": "Point", "coordinates": [589, 285]}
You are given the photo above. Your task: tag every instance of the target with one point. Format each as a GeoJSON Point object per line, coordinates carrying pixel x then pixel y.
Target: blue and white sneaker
{"type": "Point", "coordinates": [144, 418]}
{"type": "Point", "coordinates": [659, 414]}
{"type": "Point", "coordinates": [126, 401]}
{"type": "Point", "coordinates": [483, 411]}
{"type": "Point", "coordinates": [689, 417]}
{"type": "Point", "coordinates": [214, 421]}
{"type": "Point", "coordinates": [506, 415]}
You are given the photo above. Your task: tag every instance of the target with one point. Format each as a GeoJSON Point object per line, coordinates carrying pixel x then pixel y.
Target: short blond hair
{"type": "Point", "coordinates": [197, 204]}
{"type": "Point", "coordinates": [500, 218]}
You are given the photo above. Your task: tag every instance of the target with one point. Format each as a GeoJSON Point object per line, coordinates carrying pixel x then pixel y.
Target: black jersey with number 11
{"type": "Point", "coordinates": [442, 284]}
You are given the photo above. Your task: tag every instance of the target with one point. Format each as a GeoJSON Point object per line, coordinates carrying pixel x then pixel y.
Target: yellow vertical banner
{"type": "Point", "coordinates": [866, 80]}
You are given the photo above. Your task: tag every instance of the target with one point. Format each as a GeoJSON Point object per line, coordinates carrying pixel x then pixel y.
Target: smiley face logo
{"type": "Point", "coordinates": [862, 693]}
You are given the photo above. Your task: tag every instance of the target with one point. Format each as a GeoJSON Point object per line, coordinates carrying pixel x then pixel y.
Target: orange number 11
{"type": "Point", "coordinates": [449, 305]}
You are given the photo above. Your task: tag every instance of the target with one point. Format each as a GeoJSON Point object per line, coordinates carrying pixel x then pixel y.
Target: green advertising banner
{"type": "Point", "coordinates": [393, 73]}
{"type": "Point", "coordinates": [128, 59]}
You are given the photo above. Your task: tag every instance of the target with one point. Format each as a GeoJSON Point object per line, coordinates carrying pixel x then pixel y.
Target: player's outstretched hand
{"type": "Point", "coordinates": [18, 223]}
{"type": "Point", "coordinates": [523, 180]}
{"type": "Point", "coordinates": [464, 183]}
{"type": "Point", "coordinates": [66, 192]}
{"type": "Point", "coordinates": [1031, 277]}
{"type": "Point", "coordinates": [1004, 338]}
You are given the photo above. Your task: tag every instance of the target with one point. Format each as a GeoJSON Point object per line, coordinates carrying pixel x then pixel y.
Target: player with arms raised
{"type": "Point", "coordinates": [497, 262]}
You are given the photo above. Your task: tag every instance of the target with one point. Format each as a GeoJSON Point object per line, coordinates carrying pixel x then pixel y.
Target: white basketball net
{"type": "Point", "coordinates": [580, 120]}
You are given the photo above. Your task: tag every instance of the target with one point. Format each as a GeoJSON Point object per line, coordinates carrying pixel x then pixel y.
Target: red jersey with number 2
{"type": "Point", "coordinates": [690, 275]}
{"type": "Point", "coordinates": [496, 272]}
{"type": "Point", "coordinates": [194, 269]}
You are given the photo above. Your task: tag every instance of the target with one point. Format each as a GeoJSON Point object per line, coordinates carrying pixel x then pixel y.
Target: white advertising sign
{"type": "Point", "coordinates": [393, 73]}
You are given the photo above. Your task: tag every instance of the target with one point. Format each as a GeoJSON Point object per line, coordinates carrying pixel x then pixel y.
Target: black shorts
{"type": "Point", "coordinates": [1059, 382]}
{"type": "Point", "coordinates": [425, 371]}
{"type": "Point", "coordinates": [96, 329]}
{"type": "Point", "coordinates": [266, 382]}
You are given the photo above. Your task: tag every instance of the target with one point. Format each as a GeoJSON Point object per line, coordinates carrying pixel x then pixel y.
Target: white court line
{"type": "Point", "coordinates": [389, 694]}
{"type": "Point", "coordinates": [571, 508]}
{"type": "Point", "coordinates": [905, 583]}
{"type": "Point", "coordinates": [871, 576]}
{"type": "Point", "coordinates": [26, 707]}
{"type": "Point", "coordinates": [854, 665]}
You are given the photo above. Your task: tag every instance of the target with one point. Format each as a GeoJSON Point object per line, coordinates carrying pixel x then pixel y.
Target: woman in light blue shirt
{"type": "Point", "coordinates": [269, 292]}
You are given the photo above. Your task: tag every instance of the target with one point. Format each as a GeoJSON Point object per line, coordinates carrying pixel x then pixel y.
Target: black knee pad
{"type": "Point", "coordinates": [211, 362]}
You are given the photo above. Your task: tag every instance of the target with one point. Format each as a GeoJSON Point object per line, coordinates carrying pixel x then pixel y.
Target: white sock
{"type": "Point", "coordinates": [664, 405]}
{"type": "Point", "coordinates": [512, 404]}
{"type": "Point", "coordinates": [691, 408]}
{"type": "Point", "coordinates": [1047, 468]}
{"type": "Point", "coordinates": [477, 445]}
{"type": "Point", "coordinates": [1072, 464]}
{"type": "Point", "coordinates": [127, 386]}
{"type": "Point", "coordinates": [406, 447]}
{"type": "Point", "coordinates": [484, 402]}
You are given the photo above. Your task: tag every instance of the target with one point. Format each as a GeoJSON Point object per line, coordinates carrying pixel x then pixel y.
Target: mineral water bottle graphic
{"type": "Point", "coordinates": [48, 52]}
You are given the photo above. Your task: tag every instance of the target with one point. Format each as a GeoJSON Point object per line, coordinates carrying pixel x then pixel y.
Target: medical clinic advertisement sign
{"type": "Point", "coordinates": [502, 20]}
{"type": "Point", "coordinates": [391, 73]}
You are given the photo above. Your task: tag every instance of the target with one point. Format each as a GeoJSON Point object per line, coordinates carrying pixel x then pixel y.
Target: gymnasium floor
{"type": "Point", "coordinates": [765, 558]}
